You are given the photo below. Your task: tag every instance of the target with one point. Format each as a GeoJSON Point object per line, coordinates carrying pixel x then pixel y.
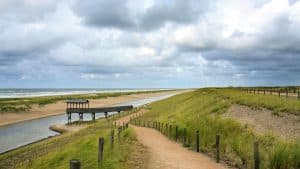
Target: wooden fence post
{"type": "Point", "coordinates": [158, 126]}
{"type": "Point", "coordinates": [166, 130]}
{"type": "Point", "coordinates": [176, 133]}
{"type": "Point", "coordinates": [218, 148]}
{"type": "Point", "coordinates": [298, 95]}
{"type": "Point", "coordinates": [264, 92]}
{"type": "Point", "coordinates": [170, 131]}
{"type": "Point", "coordinates": [74, 164]}
{"type": "Point", "coordinates": [100, 150]}
{"type": "Point", "coordinates": [184, 136]}
{"type": "Point", "coordinates": [119, 134]}
{"type": "Point", "coordinates": [287, 94]}
{"type": "Point", "coordinates": [112, 137]}
{"type": "Point", "coordinates": [197, 141]}
{"type": "Point", "coordinates": [256, 156]}
{"type": "Point", "coordinates": [279, 93]}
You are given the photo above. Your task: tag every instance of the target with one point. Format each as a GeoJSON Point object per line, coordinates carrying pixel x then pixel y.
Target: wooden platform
{"type": "Point", "coordinates": [82, 110]}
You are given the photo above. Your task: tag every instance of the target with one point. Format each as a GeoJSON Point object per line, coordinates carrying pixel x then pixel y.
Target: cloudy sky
{"type": "Point", "coordinates": [149, 43]}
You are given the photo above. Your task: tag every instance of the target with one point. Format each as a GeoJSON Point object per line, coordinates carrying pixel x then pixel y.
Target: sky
{"type": "Point", "coordinates": [149, 43]}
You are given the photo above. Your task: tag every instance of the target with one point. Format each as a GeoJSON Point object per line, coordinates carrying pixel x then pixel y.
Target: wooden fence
{"type": "Point", "coordinates": [178, 134]}
{"type": "Point", "coordinates": [76, 164]}
{"type": "Point", "coordinates": [279, 92]}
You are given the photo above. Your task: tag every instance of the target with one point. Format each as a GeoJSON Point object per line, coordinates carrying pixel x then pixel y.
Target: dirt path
{"type": "Point", "coordinates": [166, 154]}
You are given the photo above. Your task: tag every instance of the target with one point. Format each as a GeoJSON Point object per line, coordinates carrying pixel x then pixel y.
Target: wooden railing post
{"type": "Point", "coordinates": [256, 156]}
{"type": "Point", "coordinates": [218, 148]}
{"type": "Point", "coordinates": [100, 150]}
{"type": "Point", "coordinates": [197, 141]}
{"type": "Point", "coordinates": [74, 164]}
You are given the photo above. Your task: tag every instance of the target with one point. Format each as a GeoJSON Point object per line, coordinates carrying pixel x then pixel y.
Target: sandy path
{"type": "Point", "coordinates": [166, 154]}
{"type": "Point", "coordinates": [59, 107]}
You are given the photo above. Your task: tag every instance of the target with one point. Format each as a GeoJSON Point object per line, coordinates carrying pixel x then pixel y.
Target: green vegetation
{"type": "Point", "coordinates": [57, 151]}
{"type": "Point", "coordinates": [274, 103]}
{"type": "Point", "coordinates": [201, 109]}
{"type": "Point", "coordinates": [24, 104]}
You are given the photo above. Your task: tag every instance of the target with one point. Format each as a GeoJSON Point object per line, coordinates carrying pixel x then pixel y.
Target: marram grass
{"type": "Point", "coordinates": [201, 109]}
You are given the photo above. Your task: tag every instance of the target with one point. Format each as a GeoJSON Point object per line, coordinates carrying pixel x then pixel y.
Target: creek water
{"type": "Point", "coordinates": [22, 133]}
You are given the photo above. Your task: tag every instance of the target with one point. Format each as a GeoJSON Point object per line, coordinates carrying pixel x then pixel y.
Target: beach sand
{"type": "Point", "coordinates": [59, 107]}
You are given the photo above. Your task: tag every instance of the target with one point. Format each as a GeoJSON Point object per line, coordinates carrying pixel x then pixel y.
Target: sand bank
{"type": "Point", "coordinates": [59, 107]}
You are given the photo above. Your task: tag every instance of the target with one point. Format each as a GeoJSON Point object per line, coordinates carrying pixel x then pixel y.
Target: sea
{"type": "Point", "coordinates": [36, 92]}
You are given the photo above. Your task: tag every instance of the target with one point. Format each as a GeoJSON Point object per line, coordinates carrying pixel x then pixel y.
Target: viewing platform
{"type": "Point", "coordinates": [81, 107]}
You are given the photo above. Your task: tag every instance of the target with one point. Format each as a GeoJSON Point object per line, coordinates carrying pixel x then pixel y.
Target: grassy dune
{"type": "Point", "coordinates": [56, 152]}
{"type": "Point", "coordinates": [24, 104]}
{"type": "Point", "coordinates": [201, 109]}
{"type": "Point", "coordinates": [272, 102]}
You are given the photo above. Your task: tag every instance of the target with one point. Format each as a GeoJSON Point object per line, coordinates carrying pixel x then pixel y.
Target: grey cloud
{"type": "Point", "coordinates": [119, 15]}
{"type": "Point", "coordinates": [172, 11]}
{"type": "Point", "coordinates": [105, 13]}
{"type": "Point", "coordinates": [26, 11]}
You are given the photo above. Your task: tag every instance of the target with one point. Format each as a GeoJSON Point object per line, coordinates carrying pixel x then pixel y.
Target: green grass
{"type": "Point", "coordinates": [272, 102]}
{"type": "Point", "coordinates": [201, 109]}
{"type": "Point", "coordinates": [57, 151]}
{"type": "Point", "coordinates": [25, 104]}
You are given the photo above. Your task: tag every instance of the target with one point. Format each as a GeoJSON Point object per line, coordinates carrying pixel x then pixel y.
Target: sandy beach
{"type": "Point", "coordinates": [59, 107]}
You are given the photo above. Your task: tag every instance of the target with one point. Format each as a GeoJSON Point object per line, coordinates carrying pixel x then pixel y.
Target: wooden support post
{"type": "Point", "coordinates": [256, 156]}
{"type": "Point", "coordinates": [93, 116]}
{"type": "Point", "coordinates": [287, 94]}
{"type": "Point", "coordinates": [176, 133]}
{"type": "Point", "coordinates": [279, 93]}
{"type": "Point", "coordinates": [100, 149]}
{"type": "Point", "coordinates": [74, 164]}
{"type": "Point", "coordinates": [197, 141]}
{"type": "Point", "coordinates": [218, 148]}
{"type": "Point", "coordinates": [264, 92]}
